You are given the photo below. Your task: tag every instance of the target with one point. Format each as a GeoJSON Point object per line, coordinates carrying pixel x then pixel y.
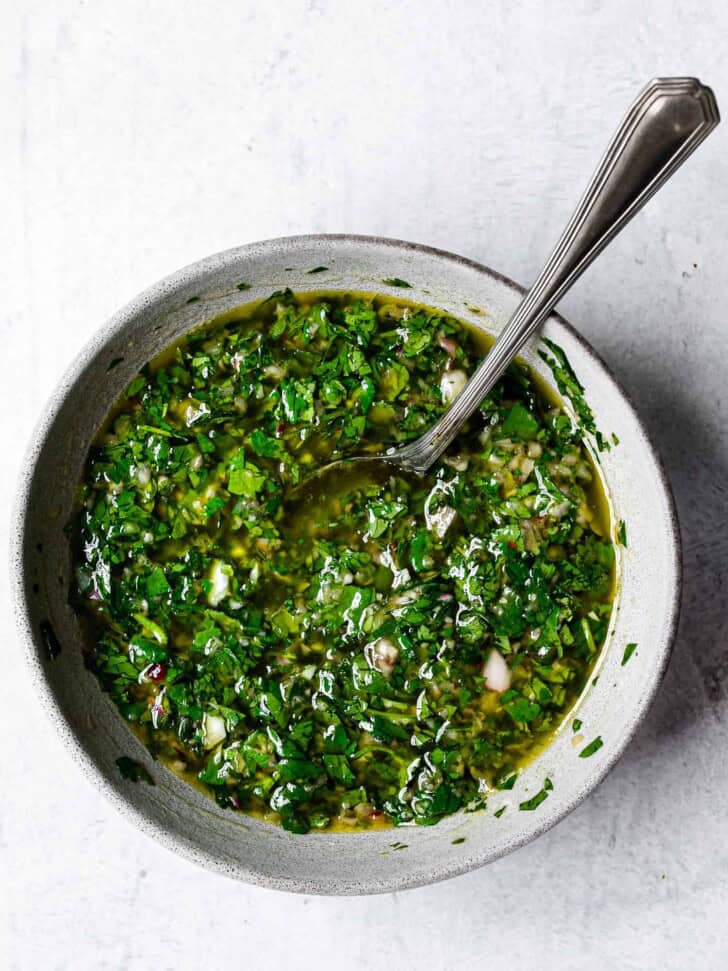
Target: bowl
{"type": "Point", "coordinates": [183, 819]}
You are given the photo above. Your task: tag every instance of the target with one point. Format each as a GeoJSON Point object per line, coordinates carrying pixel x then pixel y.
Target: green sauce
{"type": "Point", "coordinates": [368, 647]}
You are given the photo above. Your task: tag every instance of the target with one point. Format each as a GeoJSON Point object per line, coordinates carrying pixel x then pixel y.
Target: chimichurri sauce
{"type": "Point", "coordinates": [377, 648]}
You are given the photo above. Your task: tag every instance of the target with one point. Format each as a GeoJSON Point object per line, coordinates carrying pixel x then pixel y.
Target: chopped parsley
{"type": "Point", "coordinates": [530, 804]}
{"type": "Point", "coordinates": [622, 532]}
{"type": "Point", "coordinates": [591, 748]}
{"type": "Point", "coordinates": [318, 651]}
{"type": "Point", "coordinates": [628, 652]}
{"type": "Point", "coordinates": [570, 386]}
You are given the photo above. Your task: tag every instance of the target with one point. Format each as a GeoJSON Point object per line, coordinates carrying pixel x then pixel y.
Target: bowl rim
{"type": "Point", "coordinates": [175, 842]}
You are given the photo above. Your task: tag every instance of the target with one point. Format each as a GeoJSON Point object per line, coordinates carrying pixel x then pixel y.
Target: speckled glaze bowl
{"type": "Point", "coordinates": [181, 818]}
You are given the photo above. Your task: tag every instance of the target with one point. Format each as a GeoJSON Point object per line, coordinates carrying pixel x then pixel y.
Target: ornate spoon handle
{"type": "Point", "coordinates": [667, 122]}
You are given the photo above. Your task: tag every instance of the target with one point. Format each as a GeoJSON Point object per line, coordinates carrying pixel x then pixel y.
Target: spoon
{"type": "Point", "coordinates": [666, 123]}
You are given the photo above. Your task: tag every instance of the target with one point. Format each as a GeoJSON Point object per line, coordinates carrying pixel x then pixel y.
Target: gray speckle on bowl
{"type": "Point", "coordinates": [175, 814]}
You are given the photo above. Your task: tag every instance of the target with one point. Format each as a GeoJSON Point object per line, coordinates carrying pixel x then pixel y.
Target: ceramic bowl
{"type": "Point", "coordinates": [181, 818]}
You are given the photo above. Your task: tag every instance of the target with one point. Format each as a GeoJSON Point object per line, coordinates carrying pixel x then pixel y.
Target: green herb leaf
{"type": "Point", "coordinates": [519, 708]}
{"type": "Point", "coordinates": [520, 423]}
{"type": "Point", "coordinates": [214, 505]}
{"type": "Point", "coordinates": [622, 532]}
{"type": "Point", "coordinates": [156, 583]}
{"type": "Point", "coordinates": [535, 801]}
{"type": "Point", "coordinates": [265, 446]}
{"type": "Point", "coordinates": [628, 652]}
{"type": "Point", "coordinates": [338, 768]}
{"type": "Point", "coordinates": [245, 481]}
{"type": "Point", "coordinates": [591, 748]}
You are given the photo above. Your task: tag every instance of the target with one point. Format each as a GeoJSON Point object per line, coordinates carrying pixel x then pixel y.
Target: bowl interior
{"type": "Point", "coordinates": [183, 818]}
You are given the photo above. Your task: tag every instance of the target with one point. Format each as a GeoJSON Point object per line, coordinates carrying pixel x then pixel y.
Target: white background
{"type": "Point", "coordinates": [138, 136]}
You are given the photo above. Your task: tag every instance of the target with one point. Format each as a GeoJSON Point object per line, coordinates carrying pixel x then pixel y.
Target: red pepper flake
{"type": "Point", "coordinates": [155, 672]}
{"type": "Point", "coordinates": [376, 814]}
{"type": "Point", "coordinates": [512, 544]}
{"type": "Point", "coordinates": [398, 349]}
{"type": "Point", "coordinates": [280, 428]}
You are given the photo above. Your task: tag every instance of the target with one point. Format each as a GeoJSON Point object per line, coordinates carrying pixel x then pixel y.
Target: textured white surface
{"type": "Point", "coordinates": [138, 137]}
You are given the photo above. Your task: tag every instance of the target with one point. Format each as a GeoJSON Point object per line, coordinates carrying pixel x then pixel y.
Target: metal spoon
{"type": "Point", "coordinates": [666, 123]}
